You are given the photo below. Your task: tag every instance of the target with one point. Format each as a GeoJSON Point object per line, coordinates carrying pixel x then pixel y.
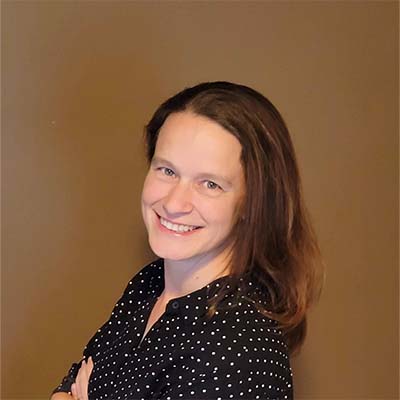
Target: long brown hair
{"type": "Point", "coordinates": [273, 241]}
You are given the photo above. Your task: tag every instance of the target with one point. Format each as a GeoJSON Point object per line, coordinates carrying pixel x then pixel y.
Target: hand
{"type": "Point", "coordinates": [61, 396]}
{"type": "Point", "coordinates": [79, 389]}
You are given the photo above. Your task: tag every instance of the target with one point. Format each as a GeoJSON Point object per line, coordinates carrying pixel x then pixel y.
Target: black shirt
{"type": "Point", "coordinates": [237, 354]}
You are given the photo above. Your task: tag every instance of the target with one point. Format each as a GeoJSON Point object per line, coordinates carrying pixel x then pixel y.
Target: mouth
{"type": "Point", "coordinates": [176, 228]}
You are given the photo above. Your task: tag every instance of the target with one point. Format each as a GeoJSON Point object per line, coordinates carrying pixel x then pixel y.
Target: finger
{"type": "Point", "coordinates": [88, 371]}
{"type": "Point", "coordinates": [80, 380]}
{"type": "Point", "coordinates": [74, 392]}
{"type": "Point", "coordinates": [90, 365]}
{"type": "Point", "coordinates": [83, 379]}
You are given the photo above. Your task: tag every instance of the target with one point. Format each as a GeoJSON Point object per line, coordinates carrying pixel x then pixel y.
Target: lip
{"type": "Point", "coordinates": [163, 229]}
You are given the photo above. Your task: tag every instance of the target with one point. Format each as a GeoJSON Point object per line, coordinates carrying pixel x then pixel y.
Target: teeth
{"type": "Point", "coordinates": [176, 227]}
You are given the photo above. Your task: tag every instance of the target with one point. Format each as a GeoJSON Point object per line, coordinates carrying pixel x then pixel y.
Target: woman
{"type": "Point", "coordinates": [217, 315]}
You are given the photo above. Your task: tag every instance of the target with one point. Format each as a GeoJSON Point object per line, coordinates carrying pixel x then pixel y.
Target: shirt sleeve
{"type": "Point", "coordinates": [244, 370]}
{"type": "Point", "coordinates": [119, 312]}
{"type": "Point", "coordinates": [227, 384]}
{"type": "Point", "coordinates": [69, 379]}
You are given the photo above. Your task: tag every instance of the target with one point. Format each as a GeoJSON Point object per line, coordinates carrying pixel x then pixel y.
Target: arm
{"type": "Point", "coordinates": [120, 309]}
{"type": "Point", "coordinates": [251, 363]}
{"type": "Point", "coordinates": [61, 396]}
{"type": "Point", "coordinates": [64, 388]}
{"type": "Point", "coordinates": [228, 383]}
{"type": "Point", "coordinates": [79, 388]}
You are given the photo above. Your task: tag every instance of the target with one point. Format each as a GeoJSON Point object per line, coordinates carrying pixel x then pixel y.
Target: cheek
{"type": "Point", "coordinates": [231, 211]}
{"type": "Point", "coordinates": [150, 190]}
{"type": "Point", "coordinates": [149, 196]}
{"type": "Point", "coordinates": [220, 213]}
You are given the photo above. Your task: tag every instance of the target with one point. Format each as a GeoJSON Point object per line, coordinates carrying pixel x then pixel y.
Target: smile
{"type": "Point", "coordinates": [177, 227]}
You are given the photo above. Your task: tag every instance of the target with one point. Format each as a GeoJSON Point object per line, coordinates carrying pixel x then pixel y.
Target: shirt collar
{"type": "Point", "coordinates": [194, 305]}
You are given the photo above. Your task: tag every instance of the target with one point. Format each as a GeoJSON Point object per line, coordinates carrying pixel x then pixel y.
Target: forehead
{"type": "Point", "coordinates": [190, 139]}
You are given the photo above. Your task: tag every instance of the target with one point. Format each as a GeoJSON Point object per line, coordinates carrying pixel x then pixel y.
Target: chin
{"type": "Point", "coordinates": [173, 256]}
{"type": "Point", "coordinates": [167, 252]}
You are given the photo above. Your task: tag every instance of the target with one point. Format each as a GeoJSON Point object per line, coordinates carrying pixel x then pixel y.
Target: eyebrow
{"type": "Point", "coordinates": [202, 175]}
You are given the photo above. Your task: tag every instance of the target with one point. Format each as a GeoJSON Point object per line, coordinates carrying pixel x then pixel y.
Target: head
{"type": "Point", "coordinates": [269, 236]}
{"type": "Point", "coordinates": [266, 156]}
{"type": "Point", "coordinates": [192, 190]}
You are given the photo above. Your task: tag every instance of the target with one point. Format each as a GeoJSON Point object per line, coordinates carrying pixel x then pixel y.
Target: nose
{"type": "Point", "coordinates": [179, 200]}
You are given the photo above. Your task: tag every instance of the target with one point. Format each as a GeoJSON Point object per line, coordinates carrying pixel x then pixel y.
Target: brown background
{"type": "Point", "coordinates": [79, 81]}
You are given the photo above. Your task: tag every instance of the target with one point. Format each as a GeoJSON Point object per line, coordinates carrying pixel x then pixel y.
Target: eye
{"type": "Point", "coordinates": [167, 171]}
{"type": "Point", "coordinates": [212, 185]}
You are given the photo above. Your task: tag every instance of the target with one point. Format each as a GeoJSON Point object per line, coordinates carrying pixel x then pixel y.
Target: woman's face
{"type": "Point", "coordinates": [192, 189]}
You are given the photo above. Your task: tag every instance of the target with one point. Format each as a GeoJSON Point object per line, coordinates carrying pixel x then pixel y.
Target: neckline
{"type": "Point", "coordinates": [209, 287]}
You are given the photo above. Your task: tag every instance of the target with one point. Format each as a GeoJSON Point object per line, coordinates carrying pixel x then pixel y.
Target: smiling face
{"type": "Point", "coordinates": [193, 188]}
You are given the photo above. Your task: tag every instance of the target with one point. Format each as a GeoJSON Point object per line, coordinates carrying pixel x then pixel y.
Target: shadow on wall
{"type": "Point", "coordinates": [74, 169]}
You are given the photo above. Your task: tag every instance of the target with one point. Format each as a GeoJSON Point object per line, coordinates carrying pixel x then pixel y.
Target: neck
{"type": "Point", "coordinates": [186, 276]}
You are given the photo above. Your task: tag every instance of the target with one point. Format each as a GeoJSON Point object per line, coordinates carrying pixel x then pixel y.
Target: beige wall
{"type": "Point", "coordinates": [79, 81]}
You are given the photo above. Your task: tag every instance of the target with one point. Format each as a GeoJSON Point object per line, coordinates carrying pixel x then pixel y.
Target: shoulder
{"type": "Point", "coordinates": [150, 272]}
{"type": "Point", "coordinates": [147, 279]}
{"type": "Point", "coordinates": [146, 283]}
{"type": "Point", "coordinates": [247, 326]}
{"type": "Point", "coordinates": [238, 353]}
{"type": "Point", "coordinates": [249, 346]}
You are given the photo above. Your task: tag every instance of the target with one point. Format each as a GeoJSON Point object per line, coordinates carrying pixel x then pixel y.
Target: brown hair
{"type": "Point", "coordinates": [273, 241]}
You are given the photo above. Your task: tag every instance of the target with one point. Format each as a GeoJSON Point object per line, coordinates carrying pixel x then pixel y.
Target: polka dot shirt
{"type": "Point", "coordinates": [237, 354]}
